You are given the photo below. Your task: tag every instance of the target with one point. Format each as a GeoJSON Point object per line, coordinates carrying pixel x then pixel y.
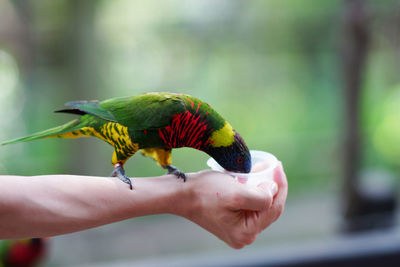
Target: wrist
{"type": "Point", "coordinates": [186, 200]}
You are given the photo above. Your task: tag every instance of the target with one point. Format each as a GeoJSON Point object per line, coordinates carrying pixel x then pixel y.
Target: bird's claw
{"type": "Point", "coordinates": [179, 174]}
{"type": "Point", "coordinates": [175, 171]}
{"type": "Point", "coordinates": [120, 173]}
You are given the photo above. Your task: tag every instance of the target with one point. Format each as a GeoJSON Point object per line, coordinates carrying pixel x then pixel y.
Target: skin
{"type": "Point", "coordinates": [49, 205]}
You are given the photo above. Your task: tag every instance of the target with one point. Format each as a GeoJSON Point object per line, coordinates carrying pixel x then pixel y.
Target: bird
{"type": "Point", "coordinates": [153, 123]}
{"type": "Point", "coordinates": [22, 252]}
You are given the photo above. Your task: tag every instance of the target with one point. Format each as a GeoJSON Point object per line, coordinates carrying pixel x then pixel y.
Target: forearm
{"type": "Point", "coordinates": [50, 205]}
{"type": "Point", "coordinates": [57, 204]}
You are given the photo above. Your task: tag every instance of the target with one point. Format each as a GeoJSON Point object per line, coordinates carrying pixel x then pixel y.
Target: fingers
{"type": "Point", "coordinates": [280, 199]}
{"type": "Point", "coordinates": [280, 177]}
{"type": "Point", "coordinates": [268, 216]}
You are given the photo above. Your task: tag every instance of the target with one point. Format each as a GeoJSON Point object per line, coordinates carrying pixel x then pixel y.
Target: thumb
{"type": "Point", "coordinates": [270, 186]}
{"type": "Point", "coordinates": [258, 198]}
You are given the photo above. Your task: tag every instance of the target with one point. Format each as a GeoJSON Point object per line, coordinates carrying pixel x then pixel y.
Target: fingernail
{"type": "Point", "coordinates": [281, 165]}
{"type": "Point", "coordinates": [278, 173]}
{"type": "Point", "coordinates": [274, 188]}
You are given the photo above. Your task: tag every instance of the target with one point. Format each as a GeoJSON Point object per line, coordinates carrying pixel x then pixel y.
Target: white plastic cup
{"type": "Point", "coordinates": [263, 165]}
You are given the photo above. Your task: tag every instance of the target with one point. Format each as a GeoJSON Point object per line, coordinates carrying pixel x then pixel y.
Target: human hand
{"type": "Point", "coordinates": [234, 212]}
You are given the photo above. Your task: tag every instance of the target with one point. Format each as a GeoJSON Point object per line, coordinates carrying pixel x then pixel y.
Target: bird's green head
{"type": "Point", "coordinates": [228, 148]}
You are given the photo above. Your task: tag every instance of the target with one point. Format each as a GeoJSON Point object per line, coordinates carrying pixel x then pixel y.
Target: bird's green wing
{"type": "Point", "coordinates": [147, 111]}
{"type": "Point", "coordinates": [93, 108]}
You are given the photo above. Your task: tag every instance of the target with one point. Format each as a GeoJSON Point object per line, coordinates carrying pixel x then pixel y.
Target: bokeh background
{"type": "Point", "coordinates": [316, 83]}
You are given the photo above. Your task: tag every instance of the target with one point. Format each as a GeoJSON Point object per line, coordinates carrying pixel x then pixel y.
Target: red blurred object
{"type": "Point", "coordinates": [24, 253]}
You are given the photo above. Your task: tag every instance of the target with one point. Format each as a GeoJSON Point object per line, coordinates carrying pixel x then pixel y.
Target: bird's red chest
{"type": "Point", "coordinates": [186, 130]}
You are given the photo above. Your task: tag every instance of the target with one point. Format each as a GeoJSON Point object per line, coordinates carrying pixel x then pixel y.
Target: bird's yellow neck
{"type": "Point", "coordinates": [223, 136]}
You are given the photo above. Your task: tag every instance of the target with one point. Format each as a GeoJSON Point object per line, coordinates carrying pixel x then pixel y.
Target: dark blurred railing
{"type": "Point", "coordinates": [370, 249]}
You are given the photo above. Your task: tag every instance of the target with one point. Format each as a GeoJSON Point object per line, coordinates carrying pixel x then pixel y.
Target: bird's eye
{"type": "Point", "coordinates": [239, 160]}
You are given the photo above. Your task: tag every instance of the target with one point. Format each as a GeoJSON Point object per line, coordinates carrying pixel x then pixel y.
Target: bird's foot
{"type": "Point", "coordinates": [175, 171]}
{"type": "Point", "coordinates": [120, 173]}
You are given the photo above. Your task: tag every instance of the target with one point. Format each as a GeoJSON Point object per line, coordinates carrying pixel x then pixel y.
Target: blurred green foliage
{"type": "Point", "coordinates": [271, 68]}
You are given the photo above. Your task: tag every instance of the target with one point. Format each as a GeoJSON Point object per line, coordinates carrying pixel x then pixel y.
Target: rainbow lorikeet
{"type": "Point", "coordinates": [22, 252]}
{"type": "Point", "coordinates": [154, 123]}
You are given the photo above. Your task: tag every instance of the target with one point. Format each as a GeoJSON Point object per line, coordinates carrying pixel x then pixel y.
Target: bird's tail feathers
{"type": "Point", "coordinates": [68, 130]}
